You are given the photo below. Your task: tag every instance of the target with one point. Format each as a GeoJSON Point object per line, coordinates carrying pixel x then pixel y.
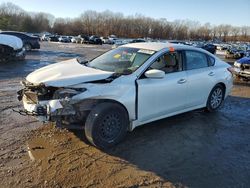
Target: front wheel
{"type": "Point", "coordinates": [106, 125]}
{"type": "Point", "coordinates": [215, 98]}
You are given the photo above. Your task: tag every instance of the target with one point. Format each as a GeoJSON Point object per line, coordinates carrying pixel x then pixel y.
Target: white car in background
{"type": "Point", "coordinates": [119, 42]}
{"type": "Point", "coordinates": [75, 39]}
{"type": "Point", "coordinates": [45, 37]}
{"type": "Point", "coordinates": [126, 87]}
{"type": "Point", "coordinates": [105, 40]}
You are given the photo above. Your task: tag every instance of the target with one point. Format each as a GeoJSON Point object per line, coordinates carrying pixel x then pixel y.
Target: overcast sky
{"type": "Point", "coordinates": [234, 12]}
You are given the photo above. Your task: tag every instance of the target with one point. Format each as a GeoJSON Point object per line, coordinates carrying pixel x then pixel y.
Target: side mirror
{"type": "Point", "coordinates": [154, 73]}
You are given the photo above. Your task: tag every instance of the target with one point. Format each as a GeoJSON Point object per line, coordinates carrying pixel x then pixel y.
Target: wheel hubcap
{"type": "Point", "coordinates": [111, 126]}
{"type": "Point", "coordinates": [216, 98]}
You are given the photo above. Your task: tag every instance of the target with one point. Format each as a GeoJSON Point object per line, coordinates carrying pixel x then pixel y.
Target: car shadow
{"type": "Point", "coordinates": [195, 149]}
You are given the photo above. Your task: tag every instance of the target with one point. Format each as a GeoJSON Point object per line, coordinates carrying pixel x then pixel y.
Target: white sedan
{"type": "Point", "coordinates": [126, 87]}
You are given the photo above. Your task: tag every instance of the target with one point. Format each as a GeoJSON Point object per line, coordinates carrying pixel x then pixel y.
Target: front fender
{"type": "Point", "coordinates": [121, 93]}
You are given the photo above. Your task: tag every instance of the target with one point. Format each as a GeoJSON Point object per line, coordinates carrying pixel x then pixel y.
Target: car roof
{"type": "Point", "coordinates": [157, 46]}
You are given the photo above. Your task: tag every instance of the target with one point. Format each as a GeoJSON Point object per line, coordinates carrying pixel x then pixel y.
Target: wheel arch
{"type": "Point", "coordinates": [223, 85]}
{"type": "Point", "coordinates": [113, 101]}
{"type": "Point", "coordinates": [88, 104]}
{"type": "Point", "coordinates": [217, 84]}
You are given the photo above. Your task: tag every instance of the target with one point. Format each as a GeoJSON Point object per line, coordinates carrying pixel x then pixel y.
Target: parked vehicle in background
{"type": "Point", "coordinates": [69, 37]}
{"type": "Point", "coordinates": [234, 53]}
{"type": "Point", "coordinates": [242, 68]}
{"type": "Point", "coordinates": [210, 48]}
{"type": "Point", "coordinates": [222, 46]}
{"type": "Point", "coordinates": [105, 40]}
{"type": "Point", "coordinates": [113, 36]}
{"type": "Point", "coordinates": [119, 43]}
{"type": "Point", "coordinates": [112, 39]}
{"type": "Point", "coordinates": [76, 39]}
{"type": "Point", "coordinates": [11, 48]}
{"type": "Point", "coordinates": [206, 46]}
{"type": "Point", "coordinates": [53, 38]}
{"type": "Point", "coordinates": [95, 40]}
{"type": "Point", "coordinates": [29, 42]}
{"type": "Point", "coordinates": [45, 37]}
{"type": "Point", "coordinates": [35, 35]}
{"type": "Point", "coordinates": [91, 40]}
{"type": "Point", "coordinates": [84, 39]}
{"type": "Point", "coordinates": [65, 39]}
{"type": "Point", "coordinates": [113, 93]}
{"type": "Point", "coordinates": [137, 40]}
{"type": "Point", "coordinates": [178, 42]}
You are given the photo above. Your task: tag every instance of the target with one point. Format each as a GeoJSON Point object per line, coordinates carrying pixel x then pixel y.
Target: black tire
{"type": "Point", "coordinates": [215, 98]}
{"type": "Point", "coordinates": [106, 125]}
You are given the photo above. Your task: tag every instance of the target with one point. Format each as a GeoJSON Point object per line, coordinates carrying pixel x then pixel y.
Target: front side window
{"type": "Point", "coordinates": [121, 60]}
{"type": "Point", "coordinates": [169, 62]}
{"type": "Point", "coordinates": [195, 60]}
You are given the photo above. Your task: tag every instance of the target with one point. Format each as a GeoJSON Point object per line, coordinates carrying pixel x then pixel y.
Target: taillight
{"type": "Point", "coordinates": [231, 70]}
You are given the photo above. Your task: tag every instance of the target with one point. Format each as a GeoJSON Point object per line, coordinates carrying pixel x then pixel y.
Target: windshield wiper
{"type": "Point", "coordinates": [84, 62]}
{"type": "Point", "coordinates": [124, 72]}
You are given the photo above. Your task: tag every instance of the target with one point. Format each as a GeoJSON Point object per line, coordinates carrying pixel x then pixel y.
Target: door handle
{"type": "Point", "coordinates": [182, 81]}
{"type": "Point", "coordinates": [211, 73]}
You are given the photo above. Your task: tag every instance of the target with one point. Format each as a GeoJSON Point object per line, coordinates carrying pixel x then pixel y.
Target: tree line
{"type": "Point", "coordinates": [106, 23]}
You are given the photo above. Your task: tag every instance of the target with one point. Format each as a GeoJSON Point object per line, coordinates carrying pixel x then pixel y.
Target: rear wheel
{"type": "Point", "coordinates": [106, 125]}
{"type": "Point", "coordinates": [215, 98]}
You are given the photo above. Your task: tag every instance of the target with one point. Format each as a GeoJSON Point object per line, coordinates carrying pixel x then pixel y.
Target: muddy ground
{"type": "Point", "coordinates": [195, 149]}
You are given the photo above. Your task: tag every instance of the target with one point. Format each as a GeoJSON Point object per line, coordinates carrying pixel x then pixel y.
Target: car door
{"type": "Point", "coordinates": [200, 77]}
{"type": "Point", "coordinates": [159, 97]}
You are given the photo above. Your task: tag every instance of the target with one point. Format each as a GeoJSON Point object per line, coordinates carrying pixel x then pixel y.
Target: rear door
{"type": "Point", "coordinates": [200, 77]}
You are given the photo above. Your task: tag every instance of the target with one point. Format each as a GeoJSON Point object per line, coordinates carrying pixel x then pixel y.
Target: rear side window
{"type": "Point", "coordinates": [195, 60]}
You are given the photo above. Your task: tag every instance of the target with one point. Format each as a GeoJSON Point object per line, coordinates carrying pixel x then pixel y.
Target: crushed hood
{"type": "Point", "coordinates": [66, 73]}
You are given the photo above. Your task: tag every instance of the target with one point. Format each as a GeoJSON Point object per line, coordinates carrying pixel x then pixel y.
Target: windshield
{"type": "Point", "coordinates": [121, 60]}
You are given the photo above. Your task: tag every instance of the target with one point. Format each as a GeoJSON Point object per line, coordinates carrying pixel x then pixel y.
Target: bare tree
{"type": "Point", "coordinates": [235, 31]}
{"type": "Point", "coordinates": [106, 23]}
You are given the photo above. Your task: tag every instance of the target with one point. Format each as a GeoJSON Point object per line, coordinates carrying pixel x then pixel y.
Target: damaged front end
{"type": "Point", "coordinates": [242, 68]}
{"type": "Point", "coordinates": [49, 91]}
{"type": "Point", "coordinates": [47, 103]}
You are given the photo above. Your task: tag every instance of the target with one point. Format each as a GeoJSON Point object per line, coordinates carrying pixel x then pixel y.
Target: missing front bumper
{"type": "Point", "coordinates": [40, 113]}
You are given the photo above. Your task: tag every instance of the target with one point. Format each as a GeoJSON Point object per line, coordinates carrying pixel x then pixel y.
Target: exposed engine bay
{"type": "Point", "coordinates": [54, 104]}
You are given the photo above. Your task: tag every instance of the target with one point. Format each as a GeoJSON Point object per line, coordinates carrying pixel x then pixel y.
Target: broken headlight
{"type": "Point", "coordinates": [67, 93]}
